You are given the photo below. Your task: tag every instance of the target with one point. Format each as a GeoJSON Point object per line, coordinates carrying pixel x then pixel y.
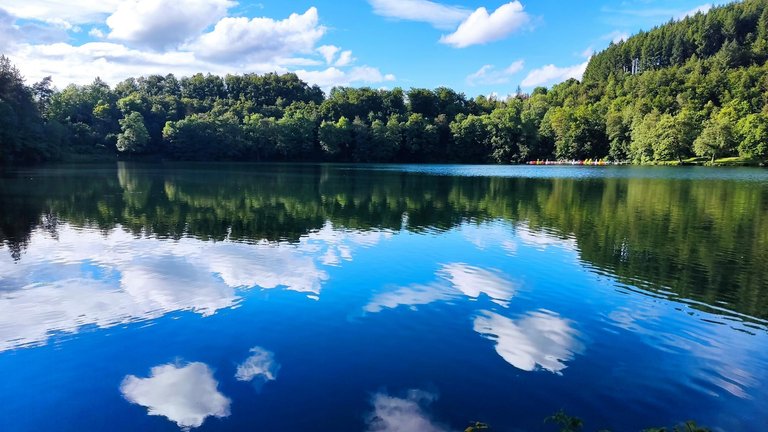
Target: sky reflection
{"type": "Point", "coordinates": [540, 339]}
{"type": "Point", "coordinates": [84, 277]}
{"type": "Point", "coordinates": [403, 414]}
{"type": "Point", "coordinates": [186, 395]}
{"type": "Point", "coordinates": [453, 281]}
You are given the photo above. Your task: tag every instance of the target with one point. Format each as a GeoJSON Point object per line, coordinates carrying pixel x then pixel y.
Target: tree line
{"type": "Point", "coordinates": [692, 87]}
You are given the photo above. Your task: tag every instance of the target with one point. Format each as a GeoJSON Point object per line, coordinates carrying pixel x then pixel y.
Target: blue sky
{"type": "Point", "coordinates": [478, 47]}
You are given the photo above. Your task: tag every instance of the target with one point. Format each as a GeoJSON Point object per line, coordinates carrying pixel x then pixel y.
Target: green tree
{"type": "Point", "coordinates": [716, 138]}
{"type": "Point", "coordinates": [471, 138]}
{"type": "Point", "coordinates": [753, 134]}
{"type": "Point", "coordinates": [134, 136]}
{"type": "Point", "coordinates": [336, 138]}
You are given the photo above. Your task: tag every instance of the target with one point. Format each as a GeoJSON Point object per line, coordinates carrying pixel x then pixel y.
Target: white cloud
{"type": "Point", "coordinates": [551, 74]}
{"type": "Point", "coordinates": [13, 33]}
{"type": "Point", "coordinates": [71, 12]}
{"type": "Point", "coordinates": [587, 53]}
{"type": "Point", "coordinates": [9, 33]}
{"type": "Point", "coordinates": [345, 59]}
{"type": "Point", "coordinates": [537, 340]}
{"type": "Point", "coordinates": [333, 76]}
{"type": "Point", "coordinates": [488, 75]}
{"type": "Point", "coordinates": [115, 62]}
{"type": "Point", "coordinates": [259, 39]}
{"type": "Point", "coordinates": [110, 61]}
{"type": "Point", "coordinates": [185, 395]}
{"type": "Point", "coordinates": [698, 9]}
{"type": "Point", "coordinates": [436, 14]}
{"type": "Point", "coordinates": [260, 364]}
{"type": "Point", "coordinates": [149, 37]}
{"type": "Point", "coordinates": [95, 32]}
{"type": "Point", "coordinates": [392, 414]}
{"type": "Point", "coordinates": [328, 52]}
{"type": "Point", "coordinates": [616, 36]}
{"type": "Point", "coordinates": [161, 24]}
{"type": "Point", "coordinates": [481, 27]}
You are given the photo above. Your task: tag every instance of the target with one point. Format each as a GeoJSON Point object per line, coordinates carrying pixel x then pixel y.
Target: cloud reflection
{"type": "Point", "coordinates": [168, 283]}
{"type": "Point", "coordinates": [261, 364]}
{"type": "Point", "coordinates": [539, 339]}
{"type": "Point", "coordinates": [473, 281]}
{"type": "Point", "coordinates": [86, 277]}
{"type": "Point", "coordinates": [393, 414]}
{"type": "Point", "coordinates": [455, 279]}
{"type": "Point", "coordinates": [186, 395]}
{"type": "Point", "coordinates": [412, 295]}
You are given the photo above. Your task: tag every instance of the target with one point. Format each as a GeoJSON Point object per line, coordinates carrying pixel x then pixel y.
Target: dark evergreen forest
{"type": "Point", "coordinates": [697, 87]}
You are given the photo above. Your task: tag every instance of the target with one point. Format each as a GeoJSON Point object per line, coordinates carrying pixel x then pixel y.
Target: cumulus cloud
{"type": "Point", "coordinates": [115, 62]}
{"type": "Point", "coordinates": [393, 414]}
{"type": "Point", "coordinates": [13, 33]}
{"type": "Point", "coordinates": [334, 76]}
{"type": "Point", "coordinates": [537, 340]}
{"type": "Point", "coordinates": [9, 33]}
{"type": "Point", "coordinates": [186, 395]}
{"type": "Point", "coordinates": [328, 52]}
{"type": "Point", "coordinates": [61, 11]}
{"type": "Point", "coordinates": [149, 37]}
{"type": "Point", "coordinates": [489, 75]}
{"type": "Point", "coordinates": [164, 23]}
{"type": "Point", "coordinates": [551, 74]}
{"type": "Point", "coordinates": [95, 32]}
{"type": "Point", "coordinates": [111, 62]}
{"type": "Point", "coordinates": [261, 364]}
{"type": "Point", "coordinates": [438, 15]}
{"type": "Point", "coordinates": [345, 59]}
{"type": "Point", "coordinates": [482, 27]}
{"type": "Point", "coordinates": [260, 39]}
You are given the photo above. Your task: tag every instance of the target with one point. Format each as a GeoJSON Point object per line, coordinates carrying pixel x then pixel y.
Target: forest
{"type": "Point", "coordinates": [691, 89]}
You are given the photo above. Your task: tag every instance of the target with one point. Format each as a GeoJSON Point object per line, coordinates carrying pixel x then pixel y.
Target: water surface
{"type": "Point", "coordinates": [353, 298]}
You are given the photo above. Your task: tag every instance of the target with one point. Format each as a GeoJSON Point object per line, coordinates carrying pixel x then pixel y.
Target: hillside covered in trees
{"type": "Point", "coordinates": [694, 87]}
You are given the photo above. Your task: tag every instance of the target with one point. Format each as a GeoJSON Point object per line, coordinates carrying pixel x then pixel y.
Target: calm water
{"type": "Point", "coordinates": [357, 298]}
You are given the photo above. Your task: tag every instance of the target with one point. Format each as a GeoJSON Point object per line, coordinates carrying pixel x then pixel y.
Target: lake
{"type": "Point", "coordinates": [273, 297]}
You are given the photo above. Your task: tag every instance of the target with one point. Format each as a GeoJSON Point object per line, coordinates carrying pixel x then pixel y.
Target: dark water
{"type": "Point", "coordinates": [355, 298]}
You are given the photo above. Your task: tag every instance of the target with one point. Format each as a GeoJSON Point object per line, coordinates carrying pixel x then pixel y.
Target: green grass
{"type": "Point", "coordinates": [703, 161]}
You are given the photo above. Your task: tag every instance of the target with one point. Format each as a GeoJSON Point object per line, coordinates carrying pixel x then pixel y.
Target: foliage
{"type": "Point", "coordinates": [694, 86]}
{"type": "Point", "coordinates": [566, 422]}
{"type": "Point", "coordinates": [134, 136]}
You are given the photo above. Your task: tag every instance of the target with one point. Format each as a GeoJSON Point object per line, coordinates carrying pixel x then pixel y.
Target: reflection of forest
{"type": "Point", "coordinates": [705, 240]}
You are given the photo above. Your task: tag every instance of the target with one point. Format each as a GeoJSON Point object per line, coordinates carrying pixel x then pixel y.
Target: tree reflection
{"type": "Point", "coordinates": [705, 240]}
